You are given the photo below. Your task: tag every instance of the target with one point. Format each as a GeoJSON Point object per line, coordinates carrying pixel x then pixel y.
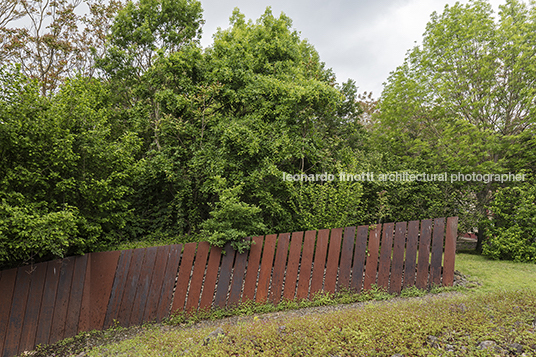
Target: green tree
{"type": "Point", "coordinates": [170, 140]}
{"type": "Point", "coordinates": [34, 153]}
{"type": "Point", "coordinates": [461, 101]}
{"type": "Point", "coordinates": [57, 43]}
{"type": "Point", "coordinates": [65, 175]}
{"type": "Point", "coordinates": [281, 111]}
{"type": "Point", "coordinates": [141, 32]}
{"type": "Point", "coordinates": [332, 204]}
{"type": "Point", "coordinates": [232, 221]}
{"type": "Point", "coordinates": [256, 104]}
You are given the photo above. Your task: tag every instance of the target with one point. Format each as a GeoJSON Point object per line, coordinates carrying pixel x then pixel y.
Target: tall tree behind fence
{"type": "Point", "coordinates": [47, 302]}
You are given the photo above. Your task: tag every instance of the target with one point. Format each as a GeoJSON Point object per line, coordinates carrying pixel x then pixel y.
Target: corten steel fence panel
{"type": "Point", "coordinates": [31, 319]}
{"type": "Point", "coordinates": [172, 266]}
{"type": "Point", "coordinates": [131, 285]}
{"type": "Point", "coordinates": [62, 300]}
{"type": "Point", "coordinates": [424, 254]}
{"type": "Point", "coordinates": [385, 255]}
{"type": "Point", "coordinates": [450, 251]}
{"type": "Point", "coordinates": [211, 277]}
{"type": "Point", "coordinates": [253, 267]}
{"type": "Point", "coordinates": [196, 283]}
{"type": "Point", "coordinates": [347, 251]}
{"type": "Point", "coordinates": [118, 287]}
{"type": "Point", "coordinates": [224, 280]}
{"type": "Point", "coordinates": [16, 318]}
{"type": "Point", "coordinates": [291, 276]}
{"type": "Point", "coordinates": [266, 268]}
{"type": "Point", "coordinates": [76, 296]}
{"type": "Point", "coordinates": [43, 303]}
{"type": "Point", "coordinates": [437, 251]}
{"type": "Point", "coordinates": [411, 253]}
{"type": "Point", "coordinates": [183, 279]}
{"type": "Point", "coordinates": [358, 266]}
{"type": "Point", "coordinates": [280, 264]}
{"type": "Point", "coordinates": [395, 285]}
{"type": "Point", "coordinates": [7, 286]}
{"type": "Point", "coordinates": [162, 272]}
{"type": "Point", "coordinates": [372, 256]}
{"type": "Point", "coordinates": [142, 290]}
{"type": "Point", "coordinates": [100, 274]}
{"type": "Point", "coordinates": [332, 264]}
{"type": "Point", "coordinates": [47, 303]}
{"type": "Point", "coordinates": [238, 277]}
{"type": "Point", "coordinates": [306, 265]}
{"type": "Point", "coordinates": [317, 281]}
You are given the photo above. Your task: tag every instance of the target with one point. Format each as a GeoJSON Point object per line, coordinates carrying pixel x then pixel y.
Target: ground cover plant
{"type": "Point", "coordinates": [455, 325]}
{"type": "Point", "coordinates": [86, 340]}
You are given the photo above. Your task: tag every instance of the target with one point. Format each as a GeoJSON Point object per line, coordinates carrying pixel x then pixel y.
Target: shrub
{"type": "Point", "coordinates": [27, 233]}
{"type": "Point", "coordinates": [511, 233]}
{"type": "Point", "coordinates": [232, 221]}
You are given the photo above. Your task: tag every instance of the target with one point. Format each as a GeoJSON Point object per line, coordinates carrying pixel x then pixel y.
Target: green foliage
{"type": "Point", "coordinates": [27, 232]}
{"type": "Point", "coordinates": [178, 143]}
{"type": "Point", "coordinates": [142, 152]}
{"type": "Point", "coordinates": [331, 204]}
{"type": "Point", "coordinates": [388, 199]}
{"type": "Point", "coordinates": [142, 29]}
{"type": "Point", "coordinates": [35, 152]}
{"type": "Point", "coordinates": [65, 175]}
{"type": "Point", "coordinates": [233, 113]}
{"type": "Point", "coordinates": [511, 232]}
{"type": "Point", "coordinates": [101, 178]}
{"type": "Point", "coordinates": [464, 102]}
{"type": "Point", "coordinates": [280, 113]}
{"type": "Point", "coordinates": [412, 292]}
{"type": "Point", "coordinates": [232, 221]}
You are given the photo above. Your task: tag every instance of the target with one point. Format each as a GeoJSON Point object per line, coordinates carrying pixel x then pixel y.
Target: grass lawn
{"type": "Point", "coordinates": [497, 274]}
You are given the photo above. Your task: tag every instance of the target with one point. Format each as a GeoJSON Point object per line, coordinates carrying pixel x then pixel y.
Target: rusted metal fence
{"type": "Point", "coordinates": [47, 302]}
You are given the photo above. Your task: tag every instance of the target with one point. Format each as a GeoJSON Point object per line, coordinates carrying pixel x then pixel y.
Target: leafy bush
{"type": "Point", "coordinates": [511, 233]}
{"type": "Point", "coordinates": [326, 205]}
{"type": "Point", "coordinates": [27, 233]}
{"type": "Point", "coordinates": [65, 174]}
{"type": "Point", "coordinates": [232, 221]}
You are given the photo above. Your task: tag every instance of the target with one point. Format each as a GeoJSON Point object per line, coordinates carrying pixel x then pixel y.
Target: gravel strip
{"type": "Point", "coordinates": [289, 314]}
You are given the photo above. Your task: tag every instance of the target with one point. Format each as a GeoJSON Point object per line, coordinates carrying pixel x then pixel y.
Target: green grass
{"type": "Point", "coordinates": [154, 240]}
{"type": "Point", "coordinates": [497, 274]}
{"type": "Point", "coordinates": [385, 329]}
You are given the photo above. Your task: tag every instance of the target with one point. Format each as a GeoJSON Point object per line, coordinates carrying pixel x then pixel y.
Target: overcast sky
{"type": "Point", "coordinates": [361, 39]}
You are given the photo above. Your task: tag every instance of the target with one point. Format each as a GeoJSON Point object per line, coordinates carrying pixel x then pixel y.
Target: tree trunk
{"type": "Point", "coordinates": [480, 237]}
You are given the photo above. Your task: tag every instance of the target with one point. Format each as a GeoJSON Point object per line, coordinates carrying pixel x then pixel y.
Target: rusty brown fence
{"type": "Point", "coordinates": [47, 302]}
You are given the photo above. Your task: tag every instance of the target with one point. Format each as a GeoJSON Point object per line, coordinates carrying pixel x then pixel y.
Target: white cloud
{"type": "Point", "coordinates": [363, 40]}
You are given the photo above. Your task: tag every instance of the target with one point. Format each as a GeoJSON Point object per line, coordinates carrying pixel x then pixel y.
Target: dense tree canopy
{"type": "Point", "coordinates": [175, 141]}
{"type": "Point", "coordinates": [118, 127]}
{"type": "Point", "coordinates": [464, 101]}
{"type": "Point", "coordinates": [65, 175]}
